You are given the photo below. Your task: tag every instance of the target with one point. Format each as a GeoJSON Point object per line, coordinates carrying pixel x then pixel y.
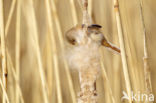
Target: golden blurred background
{"type": "Point", "coordinates": [34, 41]}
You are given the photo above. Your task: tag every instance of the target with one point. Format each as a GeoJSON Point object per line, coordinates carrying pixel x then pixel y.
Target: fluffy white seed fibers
{"type": "Point", "coordinates": [84, 56]}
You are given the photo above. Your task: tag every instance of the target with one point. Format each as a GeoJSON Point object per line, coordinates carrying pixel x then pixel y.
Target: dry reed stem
{"type": "Point", "coordinates": [56, 71]}
{"type": "Point", "coordinates": [57, 22]}
{"type": "Point", "coordinates": [17, 47]}
{"type": "Point", "coordinates": [123, 51]}
{"type": "Point", "coordinates": [105, 77]}
{"type": "Point", "coordinates": [3, 49]}
{"type": "Point", "coordinates": [58, 27]}
{"type": "Point", "coordinates": [90, 7]}
{"type": "Point", "coordinates": [116, 78]}
{"type": "Point", "coordinates": [80, 4]}
{"type": "Point", "coordinates": [49, 65]}
{"type": "Point", "coordinates": [75, 21]}
{"type": "Point", "coordinates": [15, 76]}
{"type": "Point", "coordinates": [10, 17]}
{"type": "Point", "coordinates": [131, 54]}
{"type": "Point", "coordinates": [38, 53]}
{"type": "Point", "coordinates": [54, 51]}
{"type": "Point", "coordinates": [145, 58]}
{"type": "Point", "coordinates": [4, 91]}
{"type": "Point", "coordinates": [73, 10]}
{"type": "Point", "coordinates": [136, 78]}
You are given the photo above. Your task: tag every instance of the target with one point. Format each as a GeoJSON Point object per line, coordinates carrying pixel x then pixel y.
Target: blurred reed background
{"type": "Point", "coordinates": [32, 42]}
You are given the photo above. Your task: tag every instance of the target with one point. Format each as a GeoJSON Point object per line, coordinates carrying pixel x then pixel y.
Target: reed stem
{"type": "Point", "coordinates": [123, 50]}
{"type": "Point", "coordinates": [4, 91]}
{"type": "Point", "coordinates": [105, 77]}
{"type": "Point", "coordinates": [54, 51]}
{"type": "Point", "coordinates": [73, 10]}
{"type": "Point", "coordinates": [10, 16]}
{"type": "Point", "coordinates": [17, 47]}
{"type": "Point", "coordinates": [61, 40]}
{"type": "Point", "coordinates": [38, 53]}
{"type": "Point", "coordinates": [147, 72]}
{"type": "Point", "coordinates": [3, 49]}
{"type": "Point", "coordinates": [15, 77]}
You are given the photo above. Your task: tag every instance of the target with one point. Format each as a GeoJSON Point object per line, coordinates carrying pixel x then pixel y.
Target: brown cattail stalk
{"type": "Point", "coordinates": [86, 18]}
{"type": "Point", "coordinates": [3, 49]}
{"type": "Point", "coordinates": [17, 46]}
{"type": "Point", "coordinates": [123, 51]}
{"type": "Point", "coordinates": [88, 74]}
{"type": "Point", "coordinates": [145, 58]}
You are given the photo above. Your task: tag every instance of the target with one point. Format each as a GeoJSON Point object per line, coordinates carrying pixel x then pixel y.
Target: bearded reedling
{"type": "Point", "coordinates": [84, 56]}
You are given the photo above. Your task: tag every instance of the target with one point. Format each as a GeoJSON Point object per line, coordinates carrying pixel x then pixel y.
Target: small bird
{"type": "Point", "coordinates": [75, 35]}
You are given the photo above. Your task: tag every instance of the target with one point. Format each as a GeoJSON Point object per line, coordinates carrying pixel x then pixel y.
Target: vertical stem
{"type": "Point", "coordinates": [88, 86]}
{"type": "Point", "coordinates": [17, 47]}
{"type": "Point", "coordinates": [73, 10]}
{"type": "Point", "coordinates": [123, 51]}
{"type": "Point", "coordinates": [61, 40]}
{"type": "Point", "coordinates": [15, 76]}
{"type": "Point", "coordinates": [38, 53]}
{"type": "Point", "coordinates": [4, 91]}
{"type": "Point", "coordinates": [145, 58]}
{"type": "Point", "coordinates": [54, 51]}
{"type": "Point", "coordinates": [10, 17]}
{"type": "Point", "coordinates": [105, 77]}
{"type": "Point", "coordinates": [87, 78]}
{"type": "Point", "coordinates": [86, 18]}
{"type": "Point", "coordinates": [90, 7]}
{"type": "Point", "coordinates": [49, 66]}
{"type": "Point", "coordinates": [3, 48]}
